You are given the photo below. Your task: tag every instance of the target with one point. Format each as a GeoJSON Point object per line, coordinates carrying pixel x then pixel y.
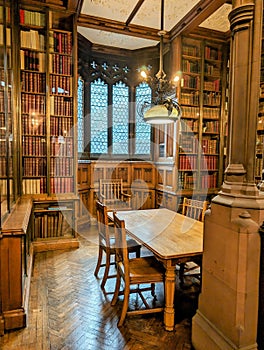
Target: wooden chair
{"type": "Point", "coordinates": [137, 271]}
{"type": "Point", "coordinates": [107, 243]}
{"type": "Point", "coordinates": [194, 209]}
{"type": "Point", "coordinates": [111, 194]}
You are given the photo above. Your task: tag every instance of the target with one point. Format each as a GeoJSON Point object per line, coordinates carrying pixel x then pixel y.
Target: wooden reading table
{"type": "Point", "coordinates": [173, 238]}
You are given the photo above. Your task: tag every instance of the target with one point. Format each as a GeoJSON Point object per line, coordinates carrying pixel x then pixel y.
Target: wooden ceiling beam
{"type": "Point", "coordinates": [134, 12]}
{"type": "Point", "coordinates": [196, 16]}
{"type": "Point", "coordinates": [119, 27]}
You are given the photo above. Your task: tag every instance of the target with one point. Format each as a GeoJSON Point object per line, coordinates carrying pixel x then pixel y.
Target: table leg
{"type": "Point", "coordinates": [170, 276]}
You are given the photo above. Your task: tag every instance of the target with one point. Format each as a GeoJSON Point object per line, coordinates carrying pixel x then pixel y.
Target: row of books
{"type": "Point", "coordinates": [33, 82]}
{"type": "Point", "coordinates": [5, 13]}
{"type": "Point", "coordinates": [60, 126]}
{"type": "Point", "coordinates": [32, 39]}
{"type": "Point", "coordinates": [3, 163]}
{"type": "Point", "coordinates": [189, 81]}
{"type": "Point", "coordinates": [60, 85]}
{"type": "Point", "coordinates": [190, 112]}
{"type": "Point", "coordinates": [187, 181]}
{"type": "Point", "coordinates": [32, 18]}
{"type": "Point", "coordinates": [8, 57]}
{"type": "Point", "coordinates": [187, 162]}
{"type": "Point", "coordinates": [2, 102]}
{"type": "Point", "coordinates": [188, 145]}
{"type": "Point", "coordinates": [3, 186]}
{"type": "Point", "coordinates": [191, 98]}
{"type": "Point", "coordinates": [62, 106]}
{"type": "Point", "coordinates": [34, 166]}
{"type": "Point", "coordinates": [33, 125]}
{"type": "Point", "coordinates": [61, 166]}
{"type": "Point", "coordinates": [209, 181]}
{"type": "Point", "coordinates": [33, 103]}
{"type": "Point", "coordinates": [61, 64]}
{"type": "Point", "coordinates": [209, 146]}
{"type": "Point", "coordinates": [211, 113]}
{"type": "Point", "coordinates": [212, 98]}
{"type": "Point", "coordinates": [212, 85]}
{"type": "Point", "coordinates": [191, 50]}
{"type": "Point", "coordinates": [34, 186]}
{"type": "Point", "coordinates": [188, 125]}
{"type": "Point", "coordinates": [5, 37]}
{"type": "Point", "coordinates": [61, 184]}
{"type": "Point", "coordinates": [34, 146]}
{"type": "Point", "coordinates": [52, 223]}
{"type": "Point", "coordinates": [212, 53]}
{"type": "Point", "coordinates": [212, 69]}
{"type": "Point", "coordinates": [32, 60]}
{"type": "Point", "coordinates": [258, 166]}
{"type": "Point", "coordinates": [59, 148]}
{"type": "Point", "coordinates": [190, 66]}
{"type": "Point", "coordinates": [209, 162]}
{"type": "Point", "coordinates": [61, 42]}
{"type": "Point", "coordinates": [211, 126]}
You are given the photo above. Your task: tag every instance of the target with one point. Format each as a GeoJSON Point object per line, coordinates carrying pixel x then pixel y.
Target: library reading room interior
{"type": "Point", "coordinates": [131, 174]}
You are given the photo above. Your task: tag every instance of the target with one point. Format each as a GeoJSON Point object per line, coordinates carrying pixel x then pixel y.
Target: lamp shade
{"type": "Point", "coordinates": [159, 114]}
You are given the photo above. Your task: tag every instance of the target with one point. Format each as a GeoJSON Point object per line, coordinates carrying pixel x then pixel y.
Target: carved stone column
{"type": "Point", "coordinates": [228, 304]}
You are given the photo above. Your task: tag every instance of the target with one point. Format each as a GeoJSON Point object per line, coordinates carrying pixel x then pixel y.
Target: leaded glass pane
{"type": "Point", "coordinates": [143, 130]}
{"type": "Point", "coordinates": [120, 118]}
{"type": "Point", "coordinates": [99, 116]}
{"type": "Point", "coordinates": [80, 115]}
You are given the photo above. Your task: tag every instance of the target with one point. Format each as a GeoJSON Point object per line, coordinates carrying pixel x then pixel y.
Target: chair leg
{"type": "Point", "coordinates": [125, 306]}
{"type": "Point", "coordinates": [107, 266]}
{"type": "Point", "coordinates": [138, 252]}
{"type": "Point", "coordinates": [99, 261]}
{"type": "Point", "coordinates": [116, 292]}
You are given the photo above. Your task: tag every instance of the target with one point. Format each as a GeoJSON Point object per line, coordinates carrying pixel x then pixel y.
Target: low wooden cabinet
{"type": "Point", "coordinates": [54, 225]}
{"type": "Point", "coordinates": [15, 266]}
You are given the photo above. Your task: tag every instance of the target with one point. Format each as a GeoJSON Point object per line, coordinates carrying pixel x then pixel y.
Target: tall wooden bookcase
{"type": "Point", "coordinates": [8, 156]}
{"type": "Point", "coordinates": [47, 94]}
{"type": "Point", "coordinates": [38, 162]}
{"type": "Point", "coordinates": [189, 154]}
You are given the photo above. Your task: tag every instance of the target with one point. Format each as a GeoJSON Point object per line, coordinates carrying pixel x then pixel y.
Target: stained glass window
{"type": "Point", "coordinates": [143, 130]}
{"type": "Point", "coordinates": [99, 116]}
{"type": "Point", "coordinates": [111, 113]}
{"type": "Point", "coordinates": [120, 118]}
{"type": "Point", "coordinates": [80, 115]}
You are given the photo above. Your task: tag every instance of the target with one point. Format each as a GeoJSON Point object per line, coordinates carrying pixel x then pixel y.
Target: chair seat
{"type": "Point", "coordinates": [145, 270]}
{"type": "Point", "coordinates": [131, 244]}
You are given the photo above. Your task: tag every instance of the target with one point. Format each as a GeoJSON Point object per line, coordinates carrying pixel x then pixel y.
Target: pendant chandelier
{"type": "Point", "coordinates": [164, 107]}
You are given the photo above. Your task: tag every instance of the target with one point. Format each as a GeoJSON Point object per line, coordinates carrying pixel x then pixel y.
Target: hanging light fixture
{"type": "Point", "coordinates": [164, 107]}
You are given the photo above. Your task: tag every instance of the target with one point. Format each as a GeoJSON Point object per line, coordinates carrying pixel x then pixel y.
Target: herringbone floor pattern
{"type": "Point", "coordinates": [68, 310]}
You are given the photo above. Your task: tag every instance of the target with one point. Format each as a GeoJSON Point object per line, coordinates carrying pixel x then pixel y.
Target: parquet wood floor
{"type": "Point", "coordinates": [69, 311]}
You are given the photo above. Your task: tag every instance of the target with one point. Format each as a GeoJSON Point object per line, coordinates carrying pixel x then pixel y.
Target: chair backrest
{"type": "Point", "coordinates": [111, 189]}
{"type": "Point", "coordinates": [102, 222]}
{"type": "Point", "coordinates": [194, 208]}
{"type": "Point", "coordinates": [121, 245]}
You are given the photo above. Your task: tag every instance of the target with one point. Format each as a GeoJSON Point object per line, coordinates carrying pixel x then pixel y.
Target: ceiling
{"type": "Point", "coordinates": [135, 24]}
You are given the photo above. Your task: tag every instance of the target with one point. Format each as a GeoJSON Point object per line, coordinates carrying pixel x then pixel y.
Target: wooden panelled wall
{"type": "Point", "coordinates": [150, 186]}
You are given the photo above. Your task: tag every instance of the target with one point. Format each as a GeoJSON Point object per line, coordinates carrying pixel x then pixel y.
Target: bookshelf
{"type": "Point", "coordinates": [200, 144]}
{"type": "Point", "coordinates": [47, 101]}
{"type": "Point", "coordinates": [189, 153]}
{"type": "Point", "coordinates": [7, 113]}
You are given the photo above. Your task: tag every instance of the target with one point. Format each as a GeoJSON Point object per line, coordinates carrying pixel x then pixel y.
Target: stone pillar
{"type": "Point", "coordinates": [227, 313]}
